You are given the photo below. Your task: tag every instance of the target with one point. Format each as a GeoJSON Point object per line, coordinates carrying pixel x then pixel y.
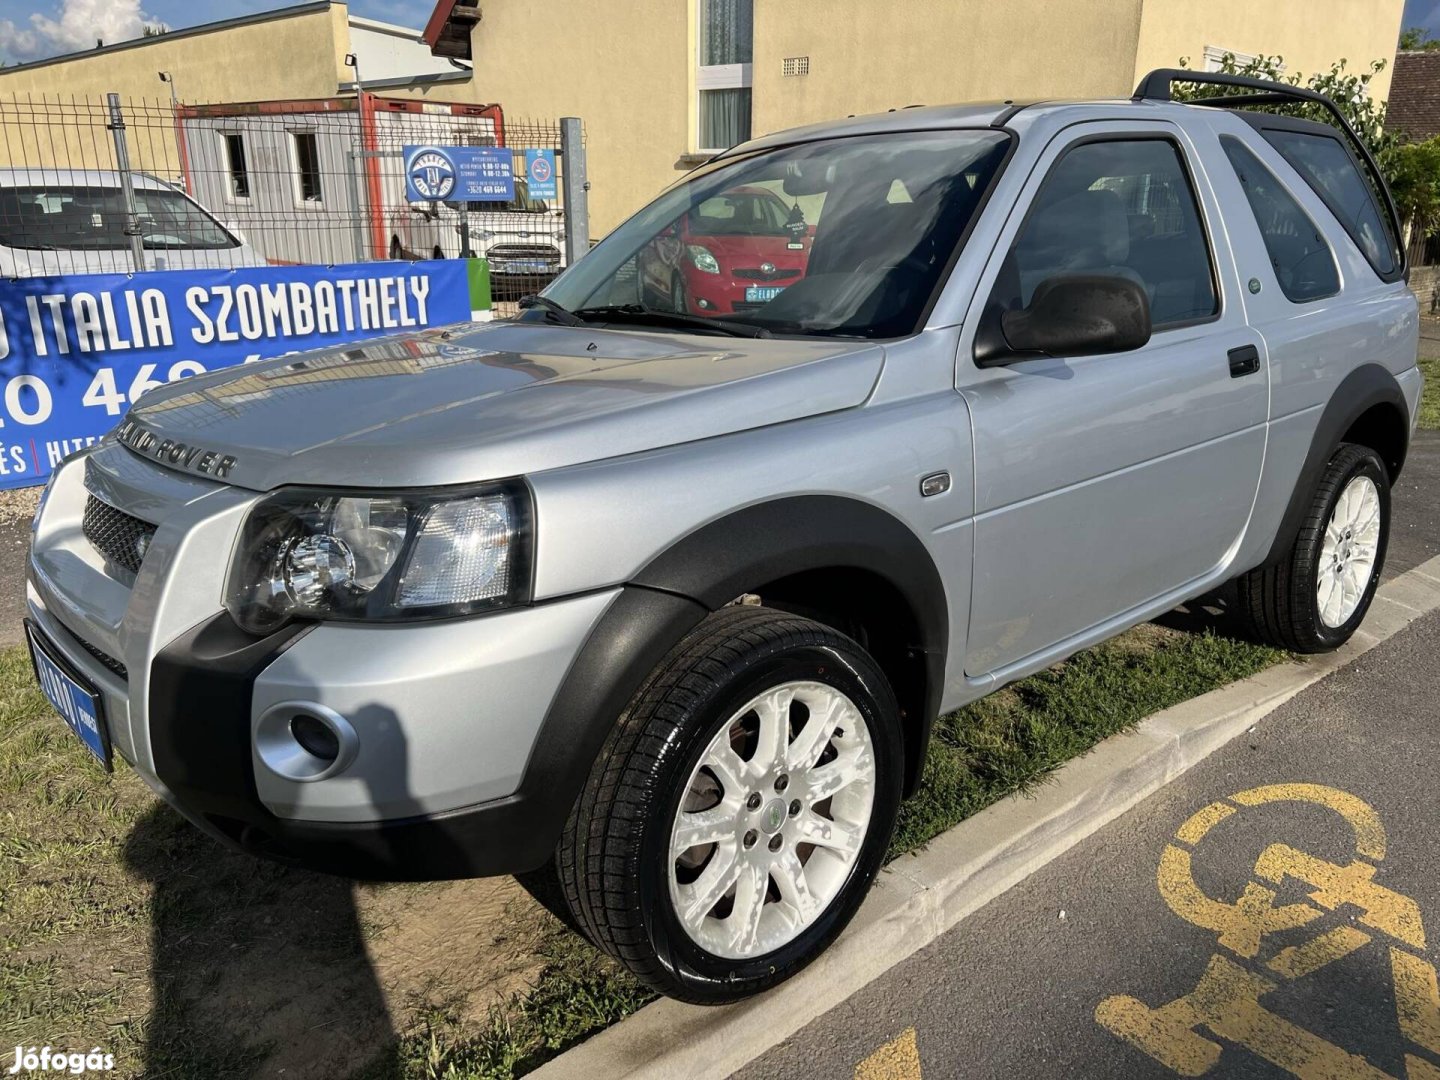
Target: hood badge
{"type": "Point", "coordinates": [171, 452]}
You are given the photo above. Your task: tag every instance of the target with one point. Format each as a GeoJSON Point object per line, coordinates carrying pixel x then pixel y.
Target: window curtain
{"type": "Point", "coordinates": [724, 118]}
{"type": "Point", "coordinates": [728, 29]}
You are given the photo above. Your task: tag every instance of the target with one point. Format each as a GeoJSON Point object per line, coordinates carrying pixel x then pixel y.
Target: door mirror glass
{"type": "Point", "coordinates": [1078, 315]}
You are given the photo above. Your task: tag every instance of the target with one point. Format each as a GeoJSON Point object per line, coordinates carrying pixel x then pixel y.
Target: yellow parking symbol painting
{"type": "Point", "coordinates": [1185, 1035]}
{"type": "Point", "coordinates": [898, 1059]}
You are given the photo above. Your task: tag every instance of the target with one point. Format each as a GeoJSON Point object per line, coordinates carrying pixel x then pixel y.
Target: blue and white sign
{"type": "Point", "coordinates": [540, 174]}
{"type": "Point", "coordinates": [77, 351]}
{"type": "Point", "coordinates": [459, 174]}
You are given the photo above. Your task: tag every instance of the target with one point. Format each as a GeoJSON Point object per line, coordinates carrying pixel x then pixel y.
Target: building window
{"type": "Point", "coordinates": [307, 166]}
{"type": "Point", "coordinates": [235, 164]}
{"type": "Point", "coordinates": [723, 76]}
{"type": "Point", "coordinates": [1215, 58]}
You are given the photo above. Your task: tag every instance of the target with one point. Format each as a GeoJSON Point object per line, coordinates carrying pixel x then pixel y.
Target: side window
{"type": "Point", "coordinates": [1328, 168]}
{"type": "Point", "coordinates": [1302, 259]}
{"type": "Point", "coordinates": [1121, 207]}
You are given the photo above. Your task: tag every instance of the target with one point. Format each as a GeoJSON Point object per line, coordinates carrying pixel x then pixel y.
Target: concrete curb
{"type": "Point", "coordinates": [919, 897]}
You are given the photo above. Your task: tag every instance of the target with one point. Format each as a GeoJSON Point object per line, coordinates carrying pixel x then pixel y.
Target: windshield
{"type": "Point", "coordinates": [68, 217]}
{"type": "Point", "coordinates": [845, 237]}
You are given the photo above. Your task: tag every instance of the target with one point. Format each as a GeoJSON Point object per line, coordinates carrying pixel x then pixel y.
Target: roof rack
{"type": "Point", "coordinates": [1157, 87]}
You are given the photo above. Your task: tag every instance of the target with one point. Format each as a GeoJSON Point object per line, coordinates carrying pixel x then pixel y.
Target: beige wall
{"type": "Point", "coordinates": [628, 68]}
{"type": "Point", "coordinates": [621, 66]}
{"type": "Point", "coordinates": [1310, 35]}
{"type": "Point", "coordinates": [299, 57]}
{"type": "Point", "coordinates": [870, 56]}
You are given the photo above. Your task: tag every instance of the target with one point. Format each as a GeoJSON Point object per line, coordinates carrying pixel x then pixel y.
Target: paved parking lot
{"type": "Point", "coordinates": [1275, 912]}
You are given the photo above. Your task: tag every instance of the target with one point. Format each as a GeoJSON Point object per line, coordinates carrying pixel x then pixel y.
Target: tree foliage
{"type": "Point", "coordinates": [1417, 37]}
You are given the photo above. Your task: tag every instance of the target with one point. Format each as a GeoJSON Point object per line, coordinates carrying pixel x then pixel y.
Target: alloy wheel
{"type": "Point", "coordinates": [772, 820]}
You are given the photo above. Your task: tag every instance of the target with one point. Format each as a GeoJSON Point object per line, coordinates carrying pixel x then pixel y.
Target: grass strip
{"type": "Point", "coordinates": [1430, 400]}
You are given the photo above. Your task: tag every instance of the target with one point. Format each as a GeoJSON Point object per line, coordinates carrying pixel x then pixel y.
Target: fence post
{"type": "Point", "coordinates": [127, 183]}
{"type": "Point", "coordinates": [359, 214]}
{"type": "Point", "coordinates": [577, 188]}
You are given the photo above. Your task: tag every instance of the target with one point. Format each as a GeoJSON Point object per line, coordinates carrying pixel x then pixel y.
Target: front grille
{"type": "Point", "coordinates": [122, 539]}
{"type": "Point", "coordinates": [105, 658]}
{"type": "Point", "coordinates": [745, 305]}
{"type": "Point", "coordinates": [754, 273]}
{"type": "Point", "coordinates": [524, 253]}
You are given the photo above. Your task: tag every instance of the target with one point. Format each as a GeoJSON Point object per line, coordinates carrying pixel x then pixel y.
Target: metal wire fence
{"type": "Point", "coordinates": [283, 182]}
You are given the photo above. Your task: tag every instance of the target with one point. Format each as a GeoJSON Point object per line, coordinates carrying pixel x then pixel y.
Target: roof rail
{"type": "Point", "coordinates": [1156, 86]}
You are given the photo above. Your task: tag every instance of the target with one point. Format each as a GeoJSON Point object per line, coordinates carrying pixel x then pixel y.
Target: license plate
{"type": "Point", "coordinates": [762, 294]}
{"type": "Point", "coordinates": [78, 705]}
{"type": "Point", "coordinates": [536, 267]}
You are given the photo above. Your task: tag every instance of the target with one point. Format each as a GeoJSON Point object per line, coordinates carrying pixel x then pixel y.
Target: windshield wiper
{"type": "Point", "coordinates": [642, 315]}
{"type": "Point", "coordinates": [562, 314]}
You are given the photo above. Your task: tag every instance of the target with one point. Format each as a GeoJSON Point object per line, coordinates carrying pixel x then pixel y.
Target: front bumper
{"type": "Point", "coordinates": [446, 713]}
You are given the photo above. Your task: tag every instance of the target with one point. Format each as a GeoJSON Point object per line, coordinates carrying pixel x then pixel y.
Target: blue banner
{"type": "Point", "coordinates": [77, 351]}
{"type": "Point", "coordinates": [459, 174]}
{"type": "Point", "coordinates": [540, 174]}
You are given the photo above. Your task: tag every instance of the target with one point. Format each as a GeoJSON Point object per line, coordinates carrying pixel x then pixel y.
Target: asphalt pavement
{"type": "Point", "coordinates": [1274, 912]}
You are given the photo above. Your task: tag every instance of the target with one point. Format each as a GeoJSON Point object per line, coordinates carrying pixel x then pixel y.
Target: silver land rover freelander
{"type": "Point", "coordinates": [651, 595]}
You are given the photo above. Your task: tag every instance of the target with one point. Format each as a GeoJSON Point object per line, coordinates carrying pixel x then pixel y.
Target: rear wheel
{"type": "Point", "coordinates": [740, 810]}
{"type": "Point", "coordinates": [1315, 597]}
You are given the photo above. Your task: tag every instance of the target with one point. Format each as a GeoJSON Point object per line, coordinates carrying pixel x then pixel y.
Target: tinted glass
{"type": "Point", "coordinates": [1303, 263]}
{"type": "Point", "coordinates": [239, 173]}
{"type": "Point", "coordinates": [845, 259]}
{"type": "Point", "coordinates": [1328, 167]}
{"type": "Point", "coordinates": [93, 219]}
{"type": "Point", "coordinates": [307, 165]}
{"type": "Point", "coordinates": [1125, 209]}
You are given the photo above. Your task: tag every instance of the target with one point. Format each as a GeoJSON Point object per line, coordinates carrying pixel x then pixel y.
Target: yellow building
{"type": "Point", "coordinates": [660, 83]}
{"type": "Point", "coordinates": [291, 53]}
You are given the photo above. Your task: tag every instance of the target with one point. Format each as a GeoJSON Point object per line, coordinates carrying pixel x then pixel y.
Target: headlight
{"type": "Point", "coordinates": [702, 258]}
{"type": "Point", "coordinates": [310, 554]}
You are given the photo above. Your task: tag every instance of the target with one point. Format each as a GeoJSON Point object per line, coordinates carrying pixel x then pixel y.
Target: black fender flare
{"type": "Point", "coordinates": [1361, 390]}
{"type": "Point", "coordinates": [698, 574]}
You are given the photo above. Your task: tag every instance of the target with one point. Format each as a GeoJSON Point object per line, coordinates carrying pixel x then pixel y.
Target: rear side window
{"type": "Point", "coordinates": [1328, 168]}
{"type": "Point", "coordinates": [1123, 208]}
{"type": "Point", "coordinates": [1303, 263]}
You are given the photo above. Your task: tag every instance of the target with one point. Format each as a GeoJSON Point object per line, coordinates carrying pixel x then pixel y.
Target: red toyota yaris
{"type": "Point", "coordinates": [734, 252]}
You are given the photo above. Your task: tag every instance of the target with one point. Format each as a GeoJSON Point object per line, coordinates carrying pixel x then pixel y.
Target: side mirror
{"type": "Point", "coordinates": [1071, 315]}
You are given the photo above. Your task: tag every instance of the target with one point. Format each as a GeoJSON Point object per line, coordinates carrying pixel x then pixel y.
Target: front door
{"type": "Point", "coordinates": [1106, 482]}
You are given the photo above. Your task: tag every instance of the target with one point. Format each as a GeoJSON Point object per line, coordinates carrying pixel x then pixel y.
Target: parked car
{"type": "Point", "coordinates": [656, 608]}
{"type": "Point", "coordinates": [523, 238]}
{"type": "Point", "coordinates": [734, 252]}
{"type": "Point", "coordinates": [72, 221]}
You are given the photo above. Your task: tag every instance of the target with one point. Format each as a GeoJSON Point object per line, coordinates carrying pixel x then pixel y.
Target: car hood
{"type": "Point", "coordinates": [480, 402]}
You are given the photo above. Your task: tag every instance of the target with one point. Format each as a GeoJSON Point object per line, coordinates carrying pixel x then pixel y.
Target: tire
{"type": "Point", "coordinates": [1282, 603]}
{"type": "Point", "coordinates": [621, 875]}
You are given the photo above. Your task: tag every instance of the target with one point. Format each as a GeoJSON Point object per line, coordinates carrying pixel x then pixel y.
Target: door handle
{"type": "Point", "coordinates": [1244, 361]}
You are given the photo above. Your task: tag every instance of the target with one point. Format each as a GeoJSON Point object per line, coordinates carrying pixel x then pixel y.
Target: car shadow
{"type": "Point", "coordinates": [256, 967]}
{"type": "Point", "coordinates": [1216, 612]}
{"type": "Point", "coordinates": [259, 968]}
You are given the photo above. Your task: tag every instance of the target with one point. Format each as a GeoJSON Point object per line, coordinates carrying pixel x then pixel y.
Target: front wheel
{"type": "Point", "coordinates": [1315, 597]}
{"type": "Point", "coordinates": [741, 808]}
